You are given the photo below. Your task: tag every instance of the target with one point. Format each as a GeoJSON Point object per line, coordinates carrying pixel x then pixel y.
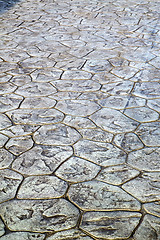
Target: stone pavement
{"type": "Point", "coordinates": [79, 121]}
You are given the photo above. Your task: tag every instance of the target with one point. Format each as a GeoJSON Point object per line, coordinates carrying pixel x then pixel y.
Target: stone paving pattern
{"type": "Point", "coordinates": [79, 120]}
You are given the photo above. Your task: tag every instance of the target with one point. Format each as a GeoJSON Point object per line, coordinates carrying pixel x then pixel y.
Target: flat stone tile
{"type": "Point", "coordinates": [147, 90]}
{"type": "Point", "coordinates": [4, 78]}
{"type": "Point", "coordinates": [37, 62]}
{"type": "Point", "coordinates": [2, 228]}
{"type": "Point", "coordinates": [103, 154]}
{"type": "Point", "coordinates": [9, 102]}
{"type": "Point", "coordinates": [110, 224]}
{"type": "Point", "coordinates": [69, 234]}
{"type": "Point", "coordinates": [128, 141]}
{"type": "Point", "coordinates": [97, 65]}
{"type": "Point", "coordinates": [147, 75]}
{"type": "Point", "coordinates": [9, 183]}
{"type": "Point", "coordinates": [39, 215]}
{"type": "Point", "coordinates": [79, 122]}
{"type": "Point", "coordinates": [7, 66]}
{"type": "Point", "coordinates": [21, 80]}
{"type": "Point", "coordinates": [41, 159]}
{"type": "Point", "coordinates": [154, 104]}
{"type": "Point", "coordinates": [6, 158]}
{"type": "Point", "coordinates": [126, 72]}
{"type": "Point", "coordinates": [145, 159]}
{"type": "Point", "coordinates": [38, 103]}
{"type": "Point", "coordinates": [46, 75]}
{"type": "Point", "coordinates": [148, 228]}
{"type": "Point", "coordinates": [24, 236]}
{"type": "Point", "coordinates": [64, 95]}
{"type": "Point", "coordinates": [75, 75]}
{"type": "Point", "coordinates": [77, 170]}
{"type": "Point", "coordinates": [113, 121]}
{"type": "Point", "coordinates": [19, 130]}
{"type": "Point", "coordinates": [149, 133]}
{"type": "Point", "coordinates": [57, 134]}
{"type": "Point", "coordinates": [35, 116]}
{"type": "Point", "coordinates": [145, 187]}
{"type": "Point", "coordinates": [3, 140]}
{"type": "Point", "coordinates": [97, 135]}
{"type": "Point", "coordinates": [6, 88]}
{"type": "Point", "coordinates": [78, 108]}
{"type": "Point", "coordinates": [118, 88]}
{"type": "Point", "coordinates": [117, 175]}
{"type": "Point", "coordinates": [152, 208]}
{"type": "Point", "coordinates": [96, 195]}
{"type": "Point", "coordinates": [94, 96]}
{"type": "Point", "coordinates": [42, 187]}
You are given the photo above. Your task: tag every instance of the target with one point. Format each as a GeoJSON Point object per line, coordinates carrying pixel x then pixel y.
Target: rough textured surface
{"type": "Point", "coordinates": [79, 120]}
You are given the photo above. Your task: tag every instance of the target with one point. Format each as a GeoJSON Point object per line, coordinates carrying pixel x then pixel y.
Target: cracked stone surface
{"type": "Point", "coordinates": [79, 120]}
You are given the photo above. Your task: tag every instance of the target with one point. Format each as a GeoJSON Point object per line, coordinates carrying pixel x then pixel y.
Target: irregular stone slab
{"type": "Point", "coordinates": [76, 85]}
{"type": "Point", "coordinates": [97, 135]}
{"type": "Point", "coordinates": [147, 75]}
{"type": "Point", "coordinates": [70, 234]}
{"type": "Point", "coordinates": [19, 145]}
{"type": "Point", "coordinates": [113, 121]}
{"type": "Point", "coordinates": [20, 80]}
{"type": "Point", "coordinates": [39, 215]}
{"type": "Point", "coordinates": [37, 62]}
{"type": "Point", "coordinates": [79, 122]}
{"type": "Point", "coordinates": [2, 227]}
{"type": "Point", "coordinates": [4, 78]}
{"type": "Point", "coordinates": [41, 160]}
{"type": "Point", "coordinates": [4, 66]}
{"type": "Point", "coordinates": [97, 65]}
{"type": "Point", "coordinates": [4, 121]}
{"type": "Point", "coordinates": [36, 116]}
{"type": "Point", "coordinates": [77, 170]}
{"type": "Point", "coordinates": [9, 182]}
{"type": "Point", "coordinates": [138, 56]}
{"type": "Point", "coordinates": [35, 89]}
{"type": "Point", "coordinates": [148, 228]}
{"type": "Point", "coordinates": [147, 90]}
{"type": "Point", "coordinates": [20, 130]}
{"type": "Point", "coordinates": [145, 159]}
{"type": "Point", "coordinates": [78, 108]}
{"type": "Point", "coordinates": [152, 208]}
{"type": "Point", "coordinates": [118, 88]}
{"type": "Point", "coordinates": [58, 134]}
{"type": "Point", "coordinates": [9, 102]}
{"type": "Point", "coordinates": [142, 114]}
{"type": "Point", "coordinates": [117, 175]}
{"type": "Point", "coordinates": [64, 95]}
{"type": "Point", "coordinates": [3, 140]}
{"type": "Point", "coordinates": [46, 75]}
{"type": "Point", "coordinates": [155, 62]}
{"type": "Point", "coordinates": [128, 141]}
{"type": "Point", "coordinates": [106, 78]}
{"type": "Point", "coordinates": [93, 95]}
{"type": "Point", "coordinates": [103, 154]}
{"type": "Point", "coordinates": [122, 102]}
{"type": "Point", "coordinates": [7, 88]}
{"type": "Point", "coordinates": [6, 158]}
{"type": "Point", "coordinates": [125, 72]}
{"type": "Point", "coordinates": [74, 75]}
{"type": "Point", "coordinates": [145, 187]}
{"type": "Point", "coordinates": [38, 103]}
{"type": "Point", "coordinates": [42, 187]}
{"type": "Point", "coordinates": [96, 195]}
{"type": "Point", "coordinates": [109, 225]}
{"type": "Point", "coordinates": [154, 104]}
{"type": "Point", "coordinates": [149, 133]}
{"type": "Point", "coordinates": [24, 236]}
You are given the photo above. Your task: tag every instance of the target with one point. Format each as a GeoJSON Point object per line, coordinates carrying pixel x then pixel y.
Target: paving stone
{"type": "Point", "coordinates": [35, 89]}
{"type": "Point", "coordinates": [93, 96]}
{"type": "Point", "coordinates": [78, 108]}
{"type": "Point", "coordinates": [117, 175]}
{"type": "Point", "coordinates": [19, 145]}
{"type": "Point", "coordinates": [95, 66]}
{"type": "Point", "coordinates": [76, 85]}
{"type": "Point", "coordinates": [41, 159]}
{"type": "Point", "coordinates": [96, 195]}
{"type": "Point", "coordinates": [46, 75]}
{"type": "Point", "coordinates": [145, 187]}
{"type": "Point", "coordinates": [42, 187]}
{"type": "Point", "coordinates": [128, 141]}
{"type": "Point", "coordinates": [122, 102]}
{"type": "Point", "coordinates": [149, 133]}
{"type": "Point", "coordinates": [106, 78]}
{"type": "Point", "coordinates": [74, 75]}
{"type": "Point", "coordinates": [6, 66]}
{"type": "Point", "coordinates": [145, 159]}
{"type": "Point", "coordinates": [148, 228]}
{"type": "Point", "coordinates": [38, 103]}
{"type": "Point", "coordinates": [142, 114]}
{"type": "Point", "coordinates": [138, 56]}
{"type": "Point", "coordinates": [154, 104]}
{"type": "Point", "coordinates": [109, 225]}
{"type": "Point", "coordinates": [6, 158]}
{"type": "Point", "coordinates": [19, 130]}
{"type": "Point", "coordinates": [97, 135]}
{"type": "Point", "coordinates": [4, 78]}
{"type": "Point", "coordinates": [2, 231]}
{"type": "Point", "coordinates": [58, 134]}
{"type": "Point", "coordinates": [6, 88]}
{"type": "Point", "coordinates": [9, 183]}
{"type": "Point", "coordinates": [35, 62]}
{"type": "Point", "coordinates": [147, 75]}
{"type": "Point", "coordinates": [147, 90]}
{"type": "Point", "coordinates": [39, 215]}
{"type": "Point", "coordinates": [155, 62]}
{"type": "Point", "coordinates": [24, 236]}
{"type": "Point", "coordinates": [125, 72]}
{"type": "Point", "coordinates": [79, 122]}
{"type": "Point", "coordinates": [152, 208]}
{"type": "Point", "coordinates": [20, 80]}
{"type": "Point", "coordinates": [3, 140]}
{"type": "Point", "coordinates": [103, 154]}
{"type": "Point", "coordinates": [9, 102]}
{"type": "Point", "coordinates": [70, 234]}
{"type": "Point", "coordinates": [35, 116]}
{"type": "Point", "coordinates": [77, 170]}
{"type": "Point", "coordinates": [113, 121]}
{"type": "Point", "coordinates": [118, 88]}
{"type": "Point", "coordinates": [65, 95]}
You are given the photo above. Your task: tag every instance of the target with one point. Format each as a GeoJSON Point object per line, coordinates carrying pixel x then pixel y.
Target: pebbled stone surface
{"type": "Point", "coordinates": [79, 120]}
